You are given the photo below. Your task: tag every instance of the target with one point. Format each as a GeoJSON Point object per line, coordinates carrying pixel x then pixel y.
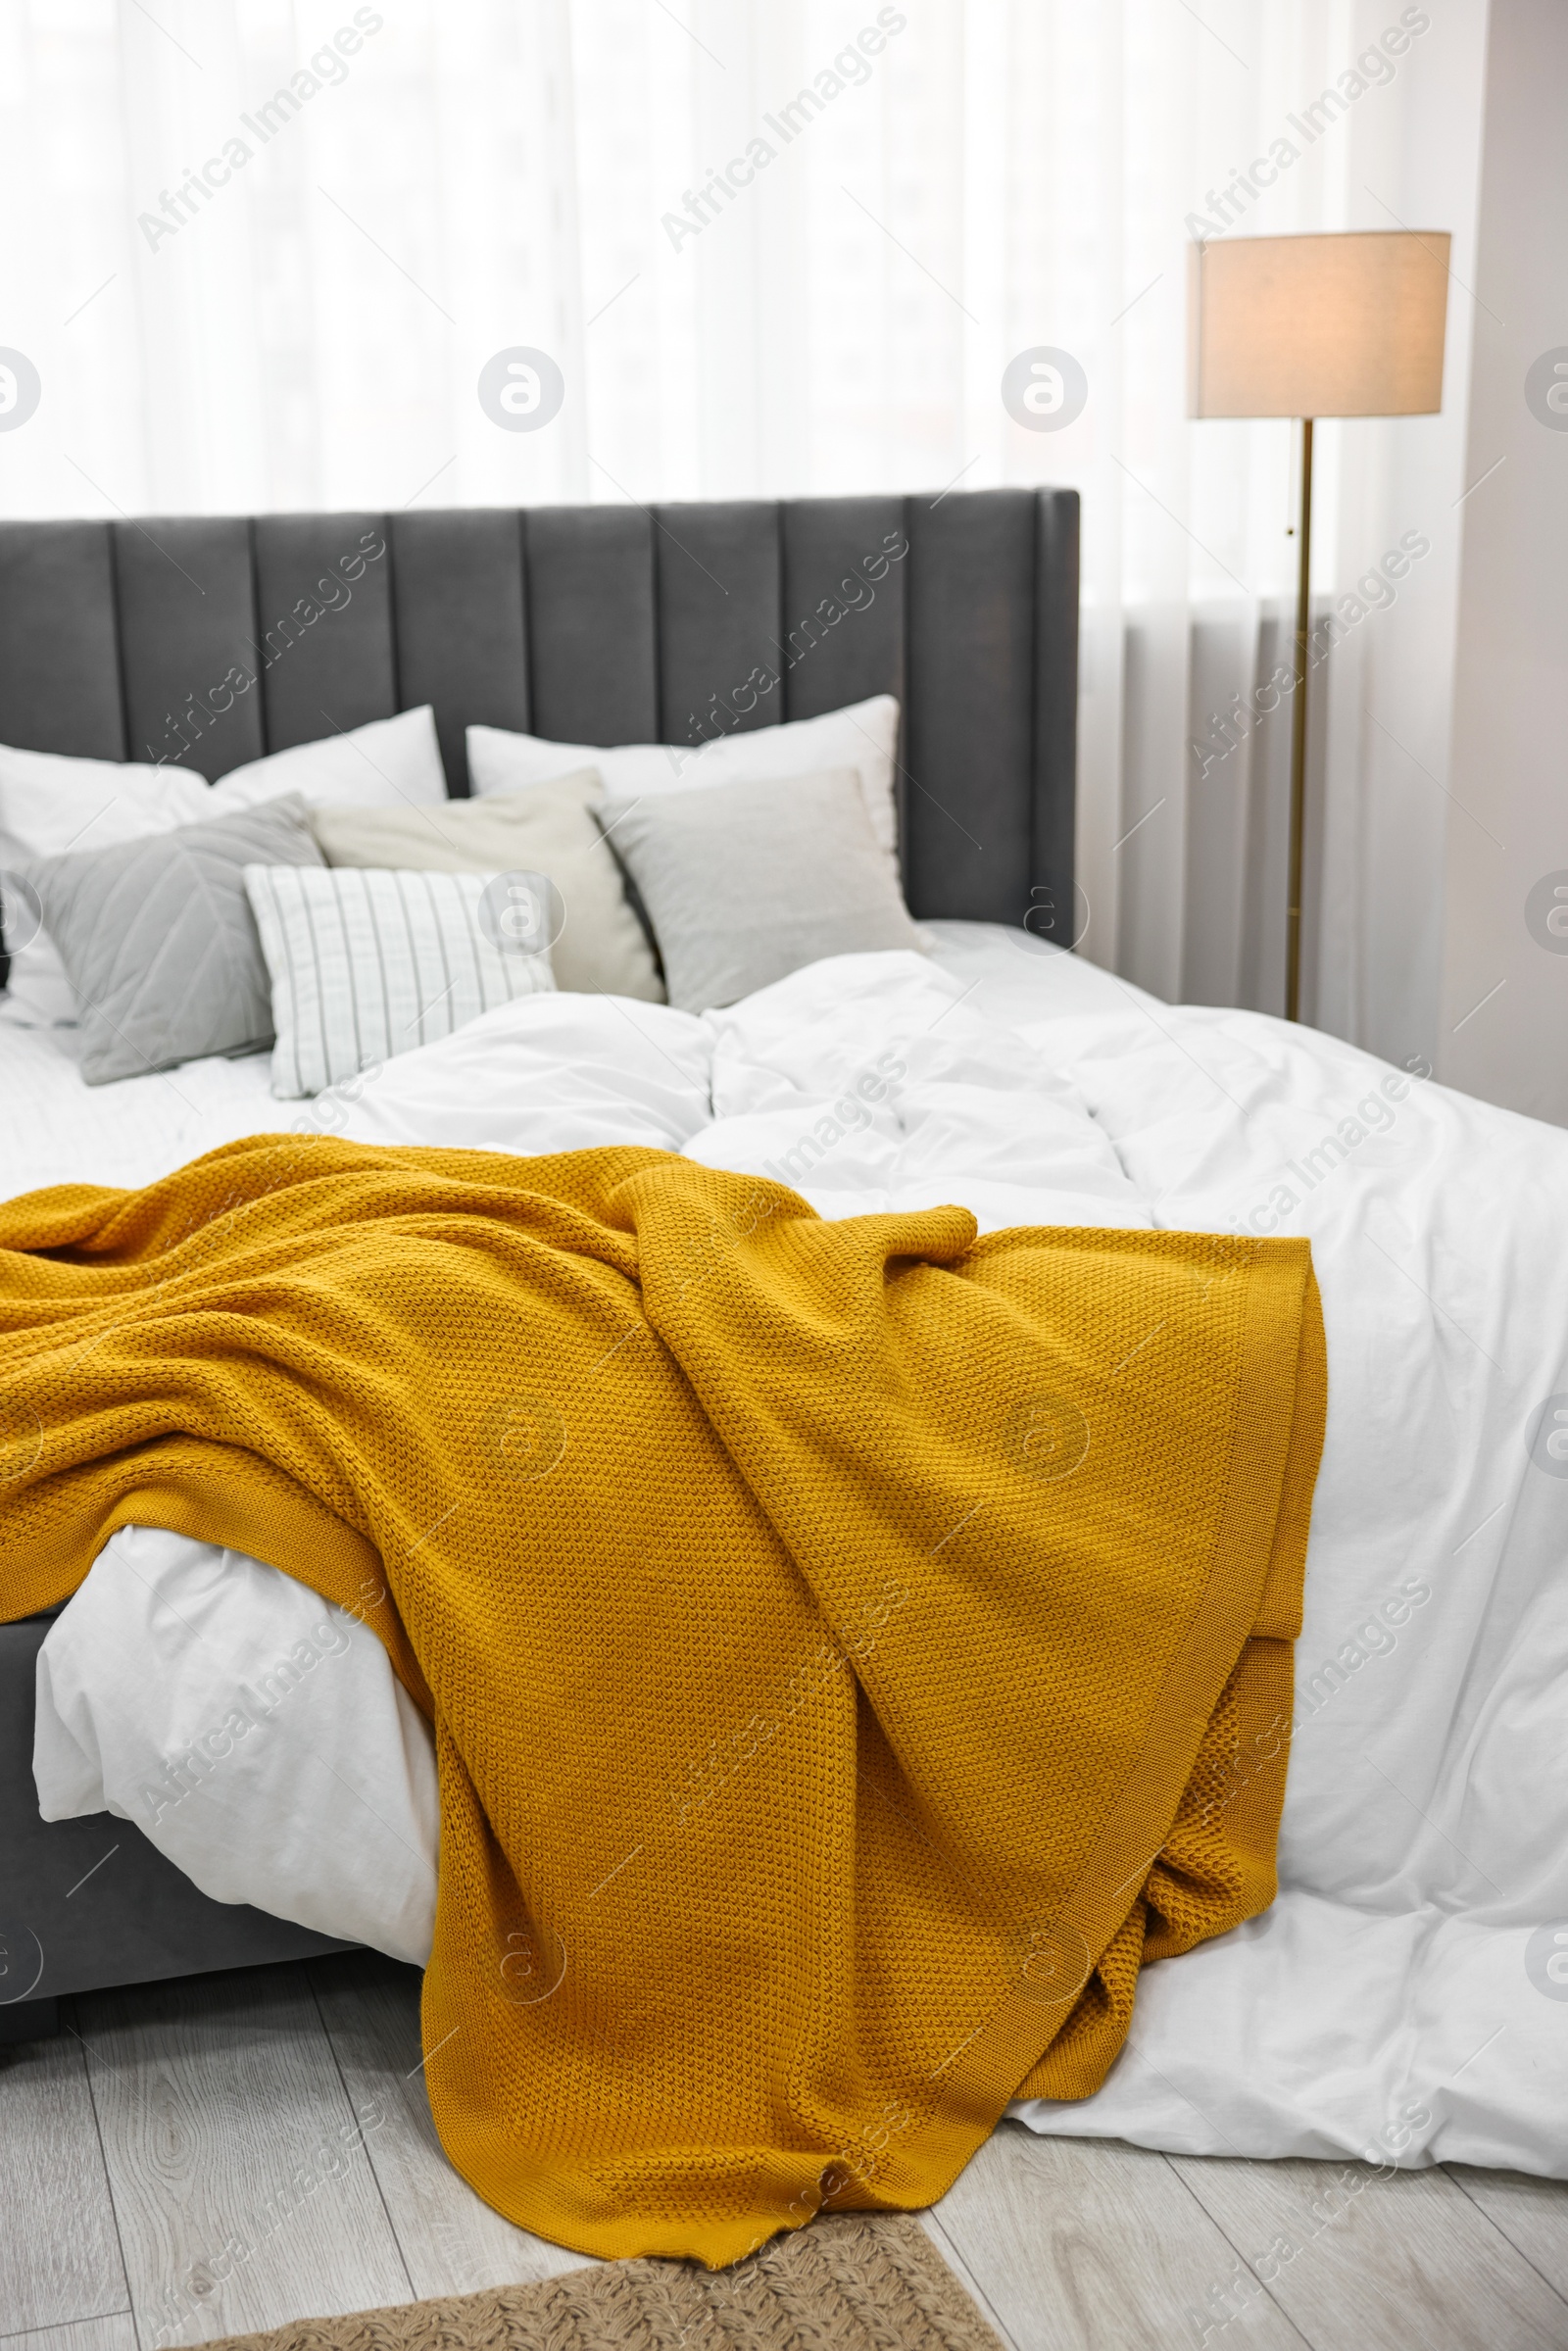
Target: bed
{"type": "Point", "coordinates": [598, 624]}
{"type": "Point", "coordinates": [1402, 1999]}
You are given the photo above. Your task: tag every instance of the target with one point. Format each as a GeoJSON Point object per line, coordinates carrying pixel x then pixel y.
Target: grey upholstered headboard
{"type": "Point", "coordinates": [212, 641]}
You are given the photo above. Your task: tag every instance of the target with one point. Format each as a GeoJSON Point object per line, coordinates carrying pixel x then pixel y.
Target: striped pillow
{"type": "Point", "coordinates": [366, 964]}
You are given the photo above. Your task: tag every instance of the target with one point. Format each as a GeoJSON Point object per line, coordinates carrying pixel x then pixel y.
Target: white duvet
{"type": "Point", "coordinates": [1406, 1996]}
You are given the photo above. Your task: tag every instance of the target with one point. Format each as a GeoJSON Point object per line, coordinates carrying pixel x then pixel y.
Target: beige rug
{"type": "Point", "coordinates": [853, 2283]}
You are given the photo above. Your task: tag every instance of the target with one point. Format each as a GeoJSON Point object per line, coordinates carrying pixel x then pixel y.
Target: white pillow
{"type": "Point", "coordinates": [865, 737]}
{"type": "Point", "coordinates": [366, 964]}
{"type": "Point", "coordinates": [50, 804]}
{"type": "Point", "coordinates": [386, 763]}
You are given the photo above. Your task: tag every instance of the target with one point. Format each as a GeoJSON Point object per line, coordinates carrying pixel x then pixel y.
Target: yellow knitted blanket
{"type": "Point", "coordinates": [852, 1649]}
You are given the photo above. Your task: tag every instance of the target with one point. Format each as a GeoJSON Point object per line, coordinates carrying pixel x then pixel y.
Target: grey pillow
{"type": "Point", "coordinates": [159, 942]}
{"type": "Point", "coordinates": [745, 883]}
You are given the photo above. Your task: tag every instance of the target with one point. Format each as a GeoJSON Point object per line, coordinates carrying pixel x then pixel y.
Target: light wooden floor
{"type": "Point", "coordinates": [195, 2159]}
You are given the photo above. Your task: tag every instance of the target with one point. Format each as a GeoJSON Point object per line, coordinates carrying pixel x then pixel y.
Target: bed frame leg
{"type": "Point", "coordinates": [30, 2020]}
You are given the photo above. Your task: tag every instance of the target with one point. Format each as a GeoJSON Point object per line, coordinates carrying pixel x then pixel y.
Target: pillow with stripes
{"type": "Point", "coordinates": [366, 964]}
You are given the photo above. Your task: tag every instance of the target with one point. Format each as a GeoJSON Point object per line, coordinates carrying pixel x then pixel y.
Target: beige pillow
{"type": "Point", "coordinates": [600, 949]}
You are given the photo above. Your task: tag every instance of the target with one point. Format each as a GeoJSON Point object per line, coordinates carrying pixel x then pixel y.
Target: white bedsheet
{"type": "Point", "coordinates": [1407, 1993]}
{"type": "Point", "coordinates": [59, 1131]}
{"type": "Point", "coordinates": [252, 1730]}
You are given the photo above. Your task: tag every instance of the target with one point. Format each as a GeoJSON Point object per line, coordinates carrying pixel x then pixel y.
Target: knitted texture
{"type": "Point", "coordinates": [873, 2285]}
{"type": "Point", "coordinates": [852, 1649]}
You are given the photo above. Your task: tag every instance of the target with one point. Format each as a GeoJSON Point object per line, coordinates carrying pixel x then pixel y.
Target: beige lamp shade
{"type": "Point", "coordinates": [1343, 325]}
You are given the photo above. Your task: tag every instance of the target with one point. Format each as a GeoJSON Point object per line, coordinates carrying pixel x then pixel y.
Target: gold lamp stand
{"type": "Point", "coordinates": [1304, 633]}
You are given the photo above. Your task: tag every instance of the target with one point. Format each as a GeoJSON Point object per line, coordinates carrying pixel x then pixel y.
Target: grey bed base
{"type": "Point", "coordinates": [208, 642]}
{"type": "Point", "coordinates": [90, 1902]}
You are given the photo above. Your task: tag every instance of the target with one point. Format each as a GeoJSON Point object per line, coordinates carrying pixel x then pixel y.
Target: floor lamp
{"type": "Point", "coordinates": [1344, 325]}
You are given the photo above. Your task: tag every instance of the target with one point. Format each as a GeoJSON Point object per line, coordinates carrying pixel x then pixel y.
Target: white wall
{"type": "Point", "coordinates": [1386, 816]}
{"type": "Point", "coordinates": [1510, 707]}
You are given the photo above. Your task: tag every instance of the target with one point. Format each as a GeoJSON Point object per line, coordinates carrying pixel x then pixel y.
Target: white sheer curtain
{"type": "Point", "coordinates": [239, 300]}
